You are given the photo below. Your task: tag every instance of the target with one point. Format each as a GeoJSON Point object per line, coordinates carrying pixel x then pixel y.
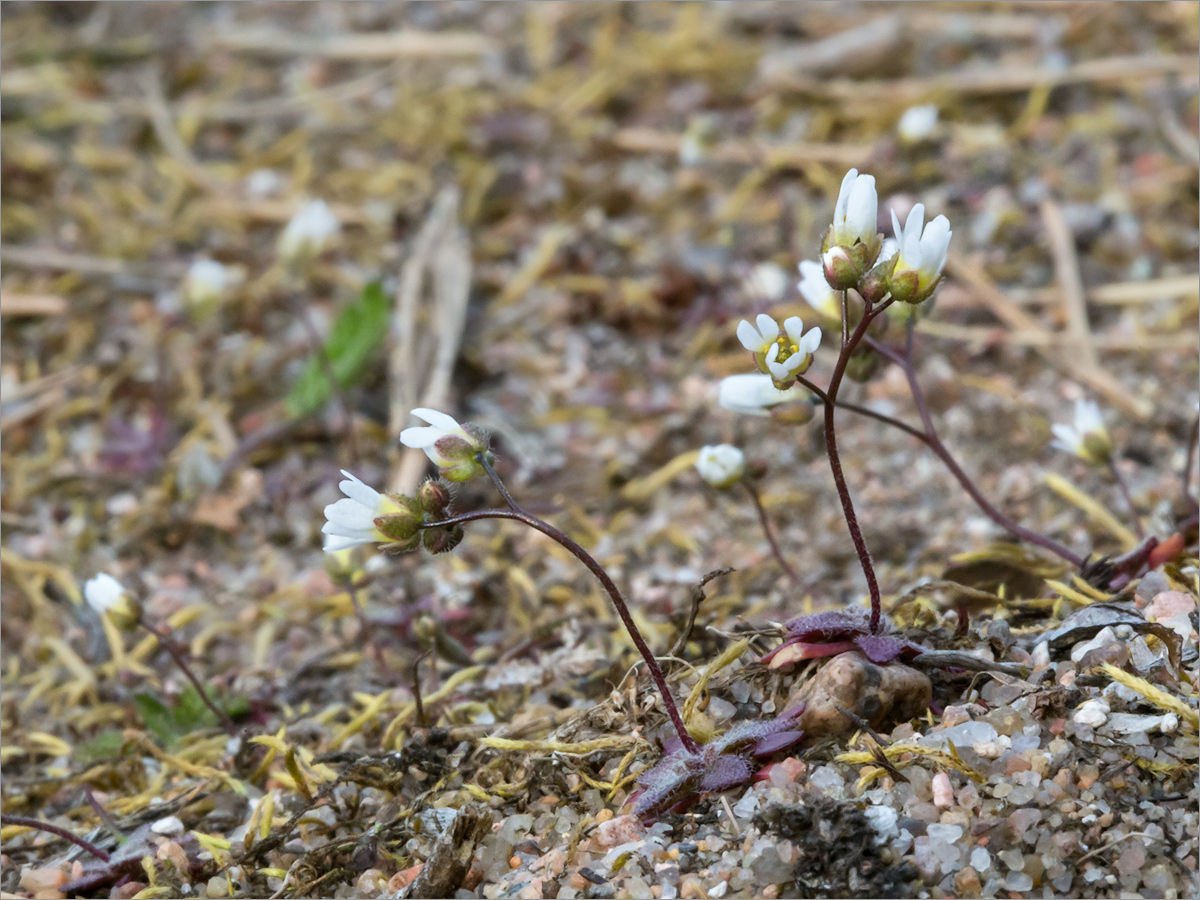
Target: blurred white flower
{"type": "Point", "coordinates": [721, 465]}
{"type": "Point", "coordinates": [921, 257]}
{"type": "Point", "coordinates": [108, 597]}
{"type": "Point", "coordinates": [767, 281]}
{"type": "Point", "coordinates": [917, 123]}
{"type": "Point", "coordinates": [1087, 438]}
{"type": "Point", "coordinates": [103, 592]}
{"type": "Point", "coordinates": [309, 232]}
{"type": "Point", "coordinates": [206, 283]}
{"type": "Point", "coordinates": [753, 394]}
{"type": "Point", "coordinates": [816, 290]}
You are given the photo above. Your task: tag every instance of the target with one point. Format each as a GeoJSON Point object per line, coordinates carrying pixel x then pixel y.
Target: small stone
{"type": "Point", "coordinates": [1132, 858]}
{"type": "Point", "coordinates": [1174, 609]}
{"type": "Point", "coordinates": [1103, 639]}
{"type": "Point", "coordinates": [883, 819]}
{"type": "Point", "coordinates": [882, 695]}
{"type": "Point", "coordinates": [966, 883]}
{"type": "Point", "coordinates": [981, 860]}
{"type": "Point", "coordinates": [1019, 882]}
{"type": "Point", "coordinates": [1092, 713]}
{"type": "Point", "coordinates": [943, 791]}
{"type": "Point", "coordinates": [620, 830]}
{"type": "Point", "coordinates": [170, 825]}
{"type": "Point", "coordinates": [1041, 656]}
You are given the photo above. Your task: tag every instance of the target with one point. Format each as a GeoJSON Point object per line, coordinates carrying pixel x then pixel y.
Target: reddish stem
{"type": "Point", "coordinates": [168, 644]}
{"type": "Point", "coordinates": [770, 533]}
{"type": "Point", "coordinates": [39, 825]}
{"type": "Point", "coordinates": [835, 463]}
{"type": "Point", "coordinates": [519, 515]}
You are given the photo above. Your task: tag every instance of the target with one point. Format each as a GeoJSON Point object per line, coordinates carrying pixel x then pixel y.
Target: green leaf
{"type": "Point", "coordinates": [158, 718]}
{"type": "Point", "coordinates": [104, 745]}
{"type": "Point", "coordinates": [357, 335]}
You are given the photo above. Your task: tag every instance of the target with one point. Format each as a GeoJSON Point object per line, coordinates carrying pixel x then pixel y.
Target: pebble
{"type": "Point", "coordinates": [883, 695]}
{"type": "Point", "coordinates": [169, 825]}
{"type": "Point", "coordinates": [1093, 713]}
{"type": "Point", "coordinates": [943, 791]}
{"type": "Point", "coordinates": [620, 830]}
{"type": "Point", "coordinates": [1173, 609]}
{"type": "Point", "coordinates": [1103, 639]}
{"type": "Point", "coordinates": [966, 883]}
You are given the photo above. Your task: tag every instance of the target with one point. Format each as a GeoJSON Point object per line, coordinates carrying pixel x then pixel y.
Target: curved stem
{"type": "Point", "coordinates": [835, 463]}
{"type": "Point", "coordinates": [168, 644]}
{"type": "Point", "coordinates": [770, 533]}
{"type": "Point", "coordinates": [865, 411]}
{"type": "Point", "coordinates": [39, 825]}
{"type": "Point", "coordinates": [1123, 488]}
{"type": "Point", "coordinates": [608, 584]}
{"type": "Point", "coordinates": [934, 442]}
{"type": "Point", "coordinates": [497, 483]}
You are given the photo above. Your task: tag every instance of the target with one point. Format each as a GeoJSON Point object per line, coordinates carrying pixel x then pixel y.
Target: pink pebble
{"type": "Point", "coordinates": [943, 791]}
{"type": "Point", "coordinates": [1174, 610]}
{"type": "Point", "coordinates": [620, 830]}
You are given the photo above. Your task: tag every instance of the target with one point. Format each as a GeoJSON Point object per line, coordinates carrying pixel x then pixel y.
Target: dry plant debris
{"type": "Point", "coordinates": [548, 219]}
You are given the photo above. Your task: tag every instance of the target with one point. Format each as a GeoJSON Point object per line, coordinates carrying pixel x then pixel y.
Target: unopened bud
{"type": "Point", "coordinates": [862, 365]}
{"type": "Point", "coordinates": [126, 613]}
{"type": "Point", "coordinates": [442, 540]}
{"type": "Point", "coordinates": [434, 496]}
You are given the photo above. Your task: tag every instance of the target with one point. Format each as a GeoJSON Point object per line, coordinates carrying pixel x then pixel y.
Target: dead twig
{"type": "Point", "coordinates": [698, 597]}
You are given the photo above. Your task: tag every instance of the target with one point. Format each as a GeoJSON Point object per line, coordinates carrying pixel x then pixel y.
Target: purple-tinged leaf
{"type": "Point", "coordinates": [776, 742]}
{"type": "Point", "coordinates": [881, 649]}
{"type": "Point", "coordinates": [724, 773]}
{"type": "Point", "coordinates": [828, 626]}
{"type": "Point", "coordinates": [794, 651]}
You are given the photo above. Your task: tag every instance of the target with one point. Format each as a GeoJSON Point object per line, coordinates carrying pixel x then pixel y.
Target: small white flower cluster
{"type": "Point", "coordinates": [308, 233]}
{"type": "Point", "coordinates": [782, 356]}
{"type": "Point", "coordinates": [109, 598]}
{"type": "Point", "coordinates": [366, 516]}
{"type": "Point", "coordinates": [722, 465]}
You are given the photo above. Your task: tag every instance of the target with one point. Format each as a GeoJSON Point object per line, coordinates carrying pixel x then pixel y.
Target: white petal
{"type": "Point", "coordinates": [439, 420]}
{"type": "Point", "coordinates": [843, 199]}
{"type": "Point", "coordinates": [336, 542]}
{"type": "Point", "coordinates": [1088, 417]}
{"type": "Point", "coordinates": [420, 437]}
{"type": "Point", "coordinates": [910, 244]}
{"type": "Point", "coordinates": [810, 341]}
{"type": "Point", "coordinates": [863, 208]}
{"type": "Point", "coordinates": [767, 327]}
{"type": "Point", "coordinates": [749, 336]}
{"type": "Point", "coordinates": [347, 513]}
{"type": "Point", "coordinates": [934, 244]}
{"type": "Point", "coordinates": [1068, 438]}
{"type": "Point", "coordinates": [778, 370]}
{"type": "Point", "coordinates": [794, 328]}
{"type": "Point", "coordinates": [359, 492]}
{"type": "Point", "coordinates": [102, 592]}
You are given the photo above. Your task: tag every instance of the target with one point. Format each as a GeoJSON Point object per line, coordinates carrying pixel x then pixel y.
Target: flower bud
{"type": "Point", "coordinates": [922, 256]}
{"type": "Point", "coordinates": [862, 365]}
{"type": "Point", "coordinates": [401, 528]}
{"type": "Point", "coordinates": [874, 286]}
{"type": "Point", "coordinates": [452, 447]}
{"type": "Point", "coordinates": [852, 243]}
{"type": "Point", "coordinates": [442, 540]}
{"type": "Point", "coordinates": [108, 597]}
{"type": "Point", "coordinates": [722, 465]}
{"type": "Point", "coordinates": [434, 497]}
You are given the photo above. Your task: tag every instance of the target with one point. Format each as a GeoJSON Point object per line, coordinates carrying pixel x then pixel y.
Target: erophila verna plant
{"type": "Point", "coordinates": [859, 286]}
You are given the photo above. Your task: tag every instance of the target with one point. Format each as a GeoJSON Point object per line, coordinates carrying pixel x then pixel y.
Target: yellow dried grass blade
{"type": "Point", "coordinates": [1157, 696]}
{"type": "Point", "coordinates": [728, 656]}
{"type": "Point", "coordinates": [642, 488]}
{"type": "Point", "coordinates": [1091, 509]}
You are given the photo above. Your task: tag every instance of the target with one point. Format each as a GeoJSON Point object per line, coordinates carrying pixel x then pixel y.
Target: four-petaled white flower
{"type": "Point", "coordinates": [103, 592]}
{"type": "Point", "coordinates": [816, 290]}
{"type": "Point", "coordinates": [856, 210]}
{"type": "Point", "coordinates": [782, 359]}
{"type": "Point", "coordinates": [721, 465]}
{"type": "Point", "coordinates": [206, 283]}
{"type": "Point", "coordinates": [1087, 438]}
{"type": "Point", "coordinates": [449, 446]}
{"type": "Point", "coordinates": [753, 394]}
{"type": "Point", "coordinates": [309, 231]}
{"type": "Point", "coordinates": [921, 257]}
{"type": "Point", "coordinates": [351, 520]}
{"type": "Point", "coordinates": [917, 123]}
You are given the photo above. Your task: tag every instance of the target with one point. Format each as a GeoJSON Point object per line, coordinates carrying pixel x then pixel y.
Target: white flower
{"type": "Point", "coordinates": [757, 340]}
{"type": "Point", "coordinates": [351, 520]}
{"type": "Point", "coordinates": [768, 281]}
{"type": "Point", "coordinates": [753, 394]}
{"type": "Point", "coordinates": [309, 231]}
{"type": "Point", "coordinates": [103, 592]}
{"type": "Point", "coordinates": [856, 210]}
{"type": "Point", "coordinates": [721, 465]}
{"type": "Point", "coordinates": [803, 346]}
{"type": "Point", "coordinates": [816, 290]}
{"type": "Point", "coordinates": [449, 446]}
{"type": "Point", "coordinates": [917, 123]}
{"type": "Point", "coordinates": [781, 358]}
{"type": "Point", "coordinates": [921, 257]}
{"type": "Point", "coordinates": [1088, 438]}
{"type": "Point", "coordinates": [206, 283]}
{"type": "Point", "coordinates": [108, 598]}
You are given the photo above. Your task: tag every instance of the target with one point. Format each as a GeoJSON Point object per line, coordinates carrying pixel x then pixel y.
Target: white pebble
{"type": "Point", "coordinates": [1093, 713]}
{"type": "Point", "coordinates": [168, 825]}
{"type": "Point", "coordinates": [943, 791]}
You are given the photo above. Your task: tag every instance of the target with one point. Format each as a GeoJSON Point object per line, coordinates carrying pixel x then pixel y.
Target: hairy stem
{"type": "Point", "coordinates": [39, 825]}
{"type": "Point", "coordinates": [1123, 489]}
{"type": "Point", "coordinates": [169, 645]}
{"type": "Point", "coordinates": [517, 514]}
{"type": "Point", "coordinates": [835, 462]}
{"type": "Point", "coordinates": [770, 533]}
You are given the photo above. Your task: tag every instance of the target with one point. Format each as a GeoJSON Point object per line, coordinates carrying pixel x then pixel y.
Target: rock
{"type": "Point", "coordinates": [881, 695]}
{"type": "Point", "coordinates": [966, 883]}
{"type": "Point", "coordinates": [169, 825]}
{"type": "Point", "coordinates": [1114, 654]}
{"type": "Point", "coordinates": [450, 860]}
{"type": "Point", "coordinates": [1106, 637]}
{"type": "Point", "coordinates": [1093, 713]}
{"type": "Point", "coordinates": [1173, 609]}
{"type": "Point", "coordinates": [620, 830]}
{"type": "Point", "coordinates": [943, 791]}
